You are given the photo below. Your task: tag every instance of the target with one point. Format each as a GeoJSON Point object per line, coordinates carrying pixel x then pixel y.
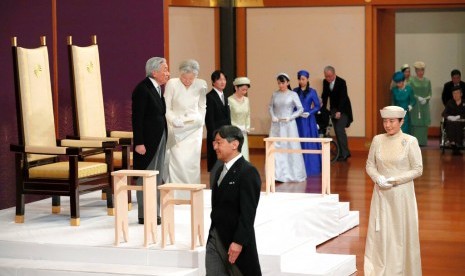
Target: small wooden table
{"type": "Point", "coordinates": [270, 161]}
{"type": "Point", "coordinates": [149, 189]}
{"type": "Point", "coordinates": [167, 211]}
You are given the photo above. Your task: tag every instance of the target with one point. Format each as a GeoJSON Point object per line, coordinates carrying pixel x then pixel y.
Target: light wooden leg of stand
{"type": "Point", "coordinates": [325, 168]}
{"type": "Point", "coordinates": [150, 209]}
{"type": "Point", "coordinates": [167, 217]}
{"type": "Point", "coordinates": [121, 208]}
{"type": "Point", "coordinates": [270, 167]}
{"type": "Point", "coordinates": [197, 225]}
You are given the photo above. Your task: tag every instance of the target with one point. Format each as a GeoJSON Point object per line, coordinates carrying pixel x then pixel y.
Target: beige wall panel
{"type": "Point", "coordinates": [438, 39]}
{"type": "Point", "coordinates": [290, 39]}
{"type": "Point", "coordinates": [192, 36]}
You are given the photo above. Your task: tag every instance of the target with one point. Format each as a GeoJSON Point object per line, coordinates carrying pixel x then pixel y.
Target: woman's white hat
{"type": "Point", "coordinates": [241, 81]}
{"type": "Point", "coordinates": [419, 65]}
{"type": "Point", "coordinates": [392, 112]}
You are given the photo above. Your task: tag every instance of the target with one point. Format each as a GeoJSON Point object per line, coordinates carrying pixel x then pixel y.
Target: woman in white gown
{"type": "Point", "coordinates": [240, 110]}
{"type": "Point", "coordinates": [285, 107]}
{"type": "Point", "coordinates": [185, 115]}
{"type": "Point", "coordinates": [394, 160]}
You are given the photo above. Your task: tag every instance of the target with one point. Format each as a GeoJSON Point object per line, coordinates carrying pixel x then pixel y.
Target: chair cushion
{"type": "Point", "coordinates": [117, 158]}
{"type": "Point", "coordinates": [60, 170]}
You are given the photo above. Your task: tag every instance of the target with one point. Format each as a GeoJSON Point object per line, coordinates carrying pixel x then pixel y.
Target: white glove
{"type": "Point", "coordinates": [383, 182]}
{"type": "Point", "coordinates": [420, 98]}
{"type": "Point", "coordinates": [178, 123]}
{"type": "Point", "coordinates": [274, 119]}
{"type": "Point", "coordinates": [409, 107]}
{"type": "Point", "coordinates": [453, 118]}
{"type": "Point", "coordinates": [287, 119]}
{"type": "Point", "coordinates": [423, 101]}
{"type": "Point", "coordinates": [305, 114]}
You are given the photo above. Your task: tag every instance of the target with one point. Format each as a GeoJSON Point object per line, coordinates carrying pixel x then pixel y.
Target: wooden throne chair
{"type": "Point", "coordinates": [45, 165]}
{"type": "Point", "coordinates": [88, 105]}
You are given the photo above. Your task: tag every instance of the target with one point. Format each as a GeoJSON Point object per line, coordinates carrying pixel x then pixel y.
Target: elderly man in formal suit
{"type": "Point", "coordinates": [455, 83]}
{"type": "Point", "coordinates": [149, 125]}
{"type": "Point", "coordinates": [217, 114]}
{"type": "Point", "coordinates": [335, 89]}
{"type": "Point", "coordinates": [231, 247]}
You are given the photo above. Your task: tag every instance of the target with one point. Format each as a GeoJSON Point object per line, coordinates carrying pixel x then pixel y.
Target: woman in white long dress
{"type": "Point", "coordinates": [285, 107]}
{"type": "Point", "coordinates": [240, 110]}
{"type": "Point", "coordinates": [185, 115]}
{"type": "Point", "coordinates": [394, 160]}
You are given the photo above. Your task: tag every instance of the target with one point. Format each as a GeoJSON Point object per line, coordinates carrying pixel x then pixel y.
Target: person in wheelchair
{"type": "Point", "coordinates": [454, 120]}
{"type": "Point", "coordinates": [322, 120]}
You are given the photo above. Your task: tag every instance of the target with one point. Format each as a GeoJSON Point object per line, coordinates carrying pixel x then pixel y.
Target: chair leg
{"type": "Point", "coordinates": [19, 218]}
{"type": "Point", "coordinates": [56, 204]}
{"type": "Point", "coordinates": [74, 202]}
{"type": "Point", "coordinates": [110, 209]}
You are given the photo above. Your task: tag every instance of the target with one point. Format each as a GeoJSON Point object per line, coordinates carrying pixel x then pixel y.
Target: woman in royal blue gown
{"type": "Point", "coordinates": [306, 123]}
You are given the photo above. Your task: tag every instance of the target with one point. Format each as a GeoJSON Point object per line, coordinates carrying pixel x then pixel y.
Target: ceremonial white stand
{"type": "Point", "coordinates": [288, 228]}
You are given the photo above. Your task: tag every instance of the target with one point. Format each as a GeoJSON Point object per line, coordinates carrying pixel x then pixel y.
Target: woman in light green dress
{"type": "Point", "coordinates": [240, 110]}
{"type": "Point", "coordinates": [420, 115]}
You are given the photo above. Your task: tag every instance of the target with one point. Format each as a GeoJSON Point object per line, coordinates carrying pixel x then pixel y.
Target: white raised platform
{"type": "Point", "coordinates": [288, 228]}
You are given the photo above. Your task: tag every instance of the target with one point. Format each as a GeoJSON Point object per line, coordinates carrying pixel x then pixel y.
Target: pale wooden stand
{"type": "Point", "coordinates": [270, 161]}
{"type": "Point", "coordinates": [167, 211]}
{"type": "Point", "coordinates": [149, 189]}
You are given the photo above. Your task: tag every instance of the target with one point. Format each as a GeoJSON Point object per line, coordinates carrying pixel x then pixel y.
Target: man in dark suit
{"type": "Point", "coordinates": [451, 86]}
{"type": "Point", "coordinates": [217, 114]}
{"type": "Point", "coordinates": [231, 247]}
{"type": "Point", "coordinates": [335, 88]}
{"type": "Point", "coordinates": [149, 125]}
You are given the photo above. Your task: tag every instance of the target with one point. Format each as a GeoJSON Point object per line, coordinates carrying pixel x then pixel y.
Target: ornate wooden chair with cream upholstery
{"type": "Point", "coordinates": [45, 166]}
{"type": "Point", "coordinates": [88, 106]}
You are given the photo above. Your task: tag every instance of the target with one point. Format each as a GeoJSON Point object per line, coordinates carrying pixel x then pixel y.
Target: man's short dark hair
{"type": "Point", "coordinates": [455, 72]}
{"type": "Point", "coordinates": [230, 133]}
{"type": "Point", "coordinates": [216, 75]}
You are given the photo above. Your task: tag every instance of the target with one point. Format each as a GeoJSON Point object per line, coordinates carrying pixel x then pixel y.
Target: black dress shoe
{"type": "Point", "coordinates": [141, 220]}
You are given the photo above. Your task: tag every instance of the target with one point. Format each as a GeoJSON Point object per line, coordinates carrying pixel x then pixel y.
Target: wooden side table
{"type": "Point", "coordinates": [167, 211]}
{"type": "Point", "coordinates": [149, 189]}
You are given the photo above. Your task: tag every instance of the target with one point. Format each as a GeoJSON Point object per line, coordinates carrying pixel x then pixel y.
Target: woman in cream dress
{"type": "Point", "coordinates": [240, 110]}
{"type": "Point", "coordinates": [185, 115]}
{"type": "Point", "coordinates": [394, 160]}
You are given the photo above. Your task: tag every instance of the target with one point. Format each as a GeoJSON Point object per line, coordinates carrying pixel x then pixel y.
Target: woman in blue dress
{"type": "Point", "coordinates": [402, 95]}
{"type": "Point", "coordinates": [306, 123]}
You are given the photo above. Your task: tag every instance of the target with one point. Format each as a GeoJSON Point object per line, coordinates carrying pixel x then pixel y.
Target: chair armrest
{"type": "Point", "coordinates": [87, 143]}
{"type": "Point", "coordinates": [121, 134]}
{"type": "Point", "coordinates": [45, 150]}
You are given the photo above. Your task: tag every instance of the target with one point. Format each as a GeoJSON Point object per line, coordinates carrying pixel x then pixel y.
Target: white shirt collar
{"type": "Point", "coordinates": [232, 161]}
{"type": "Point", "coordinates": [155, 83]}
{"type": "Point", "coordinates": [218, 91]}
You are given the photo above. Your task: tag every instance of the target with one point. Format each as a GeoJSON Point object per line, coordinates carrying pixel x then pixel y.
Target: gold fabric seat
{"type": "Point", "coordinates": [60, 170]}
{"type": "Point", "coordinates": [40, 163]}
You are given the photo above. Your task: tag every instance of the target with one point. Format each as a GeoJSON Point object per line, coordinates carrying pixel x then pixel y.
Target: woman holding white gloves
{"type": "Point", "coordinates": [285, 107]}
{"type": "Point", "coordinates": [420, 114]}
{"type": "Point", "coordinates": [240, 110]}
{"type": "Point", "coordinates": [394, 160]}
{"type": "Point", "coordinates": [185, 99]}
